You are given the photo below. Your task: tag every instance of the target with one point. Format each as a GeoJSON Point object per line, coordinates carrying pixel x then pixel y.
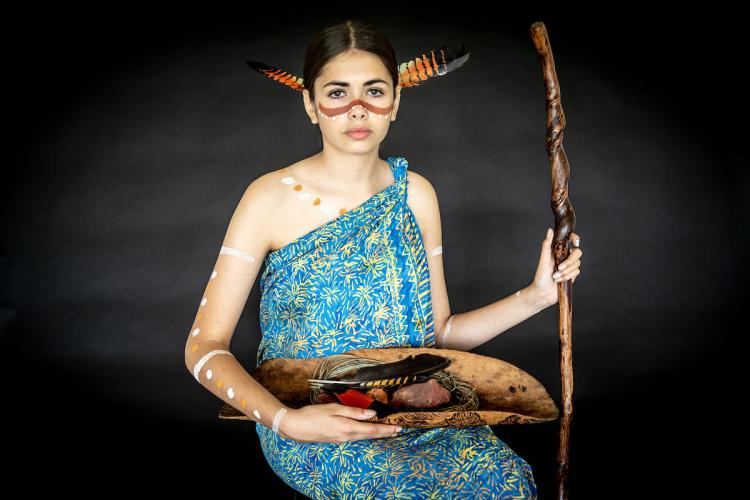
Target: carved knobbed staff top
{"type": "Point", "coordinates": [565, 218]}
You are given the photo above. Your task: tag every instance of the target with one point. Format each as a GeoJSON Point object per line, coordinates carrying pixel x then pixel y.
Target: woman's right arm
{"type": "Point", "coordinates": [207, 354]}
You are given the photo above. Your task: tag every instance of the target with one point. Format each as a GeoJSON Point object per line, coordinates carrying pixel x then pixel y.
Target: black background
{"type": "Point", "coordinates": [133, 132]}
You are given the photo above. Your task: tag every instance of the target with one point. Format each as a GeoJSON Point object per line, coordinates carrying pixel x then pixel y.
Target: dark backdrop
{"type": "Point", "coordinates": [133, 133]}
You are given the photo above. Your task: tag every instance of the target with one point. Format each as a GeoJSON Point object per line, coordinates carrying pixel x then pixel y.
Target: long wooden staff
{"type": "Point", "coordinates": [565, 220]}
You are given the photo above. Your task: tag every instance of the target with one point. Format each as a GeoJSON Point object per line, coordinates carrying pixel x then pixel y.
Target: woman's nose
{"type": "Point", "coordinates": [358, 110]}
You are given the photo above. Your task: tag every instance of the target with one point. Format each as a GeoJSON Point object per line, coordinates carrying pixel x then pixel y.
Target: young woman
{"type": "Point", "coordinates": [353, 259]}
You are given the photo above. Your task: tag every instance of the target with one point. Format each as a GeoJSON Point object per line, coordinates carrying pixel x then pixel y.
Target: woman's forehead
{"type": "Point", "coordinates": [356, 71]}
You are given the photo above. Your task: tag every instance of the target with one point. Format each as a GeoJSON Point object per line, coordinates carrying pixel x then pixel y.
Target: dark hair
{"type": "Point", "coordinates": [341, 37]}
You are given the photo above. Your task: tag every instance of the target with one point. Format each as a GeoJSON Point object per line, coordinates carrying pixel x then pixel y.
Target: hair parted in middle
{"type": "Point", "coordinates": [340, 38]}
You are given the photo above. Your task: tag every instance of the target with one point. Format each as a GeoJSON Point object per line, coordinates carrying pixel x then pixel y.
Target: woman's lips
{"type": "Point", "coordinates": [359, 134]}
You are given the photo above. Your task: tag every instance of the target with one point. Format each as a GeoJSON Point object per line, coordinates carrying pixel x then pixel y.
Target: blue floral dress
{"type": "Point", "coordinates": [362, 281]}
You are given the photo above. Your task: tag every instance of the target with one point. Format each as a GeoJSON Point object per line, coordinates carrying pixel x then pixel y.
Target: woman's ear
{"type": "Point", "coordinates": [309, 106]}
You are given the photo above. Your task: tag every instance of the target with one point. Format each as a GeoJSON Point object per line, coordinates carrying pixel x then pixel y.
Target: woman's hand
{"type": "Point", "coordinates": [544, 285]}
{"type": "Point", "coordinates": [332, 423]}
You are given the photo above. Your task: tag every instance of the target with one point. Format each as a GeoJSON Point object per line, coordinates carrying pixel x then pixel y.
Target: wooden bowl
{"type": "Point", "coordinates": [507, 394]}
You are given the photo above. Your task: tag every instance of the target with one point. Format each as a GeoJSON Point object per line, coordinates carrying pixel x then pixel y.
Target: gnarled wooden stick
{"type": "Point", "coordinates": [565, 220]}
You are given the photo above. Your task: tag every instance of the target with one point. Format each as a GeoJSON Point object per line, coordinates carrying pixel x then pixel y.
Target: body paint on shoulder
{"type": "Point", "coordinates": [305, 195]}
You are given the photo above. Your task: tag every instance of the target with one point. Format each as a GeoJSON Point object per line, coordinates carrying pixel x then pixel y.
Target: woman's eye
{"type": "Point", "coordinates": [380, 92]}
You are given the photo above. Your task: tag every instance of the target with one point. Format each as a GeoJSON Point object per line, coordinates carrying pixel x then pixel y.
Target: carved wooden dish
{"type": "Point", "coordinates": [507, 394]}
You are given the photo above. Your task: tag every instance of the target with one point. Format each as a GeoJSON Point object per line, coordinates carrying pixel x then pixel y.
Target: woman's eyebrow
{"type": "Point", "coordinates": [345, 84]}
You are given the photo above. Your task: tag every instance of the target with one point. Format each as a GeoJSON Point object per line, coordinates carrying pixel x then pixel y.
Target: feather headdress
{"type": "Point", "coordinates": [411, 73]}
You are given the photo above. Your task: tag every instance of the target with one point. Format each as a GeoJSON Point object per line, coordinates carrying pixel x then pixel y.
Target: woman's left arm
{"type": "Point", "coordinates": [473, 328]}
{"type": "Point", "coordinates": [467, 330]}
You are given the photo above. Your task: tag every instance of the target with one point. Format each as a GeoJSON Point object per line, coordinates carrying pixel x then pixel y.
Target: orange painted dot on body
{"type": "Point", "coordinates": [199, 317]}
{"type": "Point", "coordinates": [317, 201]}
{"type": "Point", "coordinates": [195, 347]}
{"type": "Point", "coordinates": [244, 403]}
{"type": "Point", "coordinates": [342, 211]}
{"type": "Point", "coordinates": [298, 187]}
{"type": "Point", "coordinates": [219, 383]}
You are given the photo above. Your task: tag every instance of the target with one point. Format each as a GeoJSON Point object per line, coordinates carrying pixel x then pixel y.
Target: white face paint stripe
{"type": "Point", "coordinates": [204, 360]}
{"type": "Point", "coordinates": [237, 253]}
{"type": "Point", "coordinates": [437, 250]}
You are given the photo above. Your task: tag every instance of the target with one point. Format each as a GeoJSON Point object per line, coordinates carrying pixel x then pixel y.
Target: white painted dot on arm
{"type": "Point", "coordinates": [209, 374]}
{"type": "Point", "coordinates": [288, 180]}
{"type": "Point", "coordinates": [518, 293]}
{"type": "Point", "coordinates": [204, 301]}
{"type": "Point", "coordinates": [196, 331]}
{"type": "Point", "coordinates": [305, 196]}
{"type": "Point", "coordinates": [236, 253]}
{"type": "Point", "coordinates": [257, 414]}
{"type": "Point", "coordinates": [437, 250]}
{"type": "Point", "coordinates": [214, 274]}
{"type": "Point", "coordinates": [230, 393]}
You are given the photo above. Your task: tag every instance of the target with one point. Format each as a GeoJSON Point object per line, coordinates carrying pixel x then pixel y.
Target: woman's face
{"type": "Point", "coordinates": [354, 90]}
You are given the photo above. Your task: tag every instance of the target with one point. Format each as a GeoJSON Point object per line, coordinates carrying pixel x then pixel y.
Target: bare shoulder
{"type": "Point", "coordinates": [257, 209]}
{"type": "Point", "coordinates": [269, 184]}
{"type": "Point", "coordinates": [265, 203]}
{"type": "Point", "coordinates": [264, 193]}
{"type": "Point", "coordinates": [422, 197]}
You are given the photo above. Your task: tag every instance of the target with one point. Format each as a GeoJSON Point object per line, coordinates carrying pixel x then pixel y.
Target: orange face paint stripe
{"type": "Point", "coordinates": [343, 109]}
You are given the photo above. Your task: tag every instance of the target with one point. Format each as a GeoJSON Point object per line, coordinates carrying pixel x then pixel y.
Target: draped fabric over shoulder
{"type": "Point", "coordinates": [362, 281]}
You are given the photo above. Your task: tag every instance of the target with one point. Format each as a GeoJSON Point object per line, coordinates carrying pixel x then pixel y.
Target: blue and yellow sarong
{"type": "Point", "coordinates": [362, 281]}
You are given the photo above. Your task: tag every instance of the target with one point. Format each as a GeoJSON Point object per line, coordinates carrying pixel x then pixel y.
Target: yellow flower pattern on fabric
{"type": "Point", "coordinates": [362, 281]}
